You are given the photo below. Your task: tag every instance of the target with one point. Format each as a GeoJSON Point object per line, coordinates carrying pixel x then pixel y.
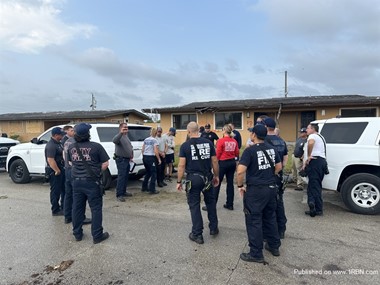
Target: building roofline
{"type": "Point", "coordinates": [272, 103]}
{"type": "Point", "coordinates": [61, 115]}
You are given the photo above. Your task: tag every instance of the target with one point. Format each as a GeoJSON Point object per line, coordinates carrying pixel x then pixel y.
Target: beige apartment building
{"type": "Point", "coordinates": [291, 113]}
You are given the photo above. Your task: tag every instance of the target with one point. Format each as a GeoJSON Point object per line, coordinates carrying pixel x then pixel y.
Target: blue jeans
{"type": "Point", "coordinates": [123, 168]}
{"type": "Point", "coordinates": [194, 199]}
{"type": "Point", "coordinates": [150, 163]}
{"type": "Point", "coordinates": [227, 167]}
{"type": "Point", "coordinates": [260, 216]}
{"type": "Point", "coordinates": [87, 190]}
{"type": "Point", "coordinates": [315, 173]}
{"type": "Point", "coordinates": [57, 191]}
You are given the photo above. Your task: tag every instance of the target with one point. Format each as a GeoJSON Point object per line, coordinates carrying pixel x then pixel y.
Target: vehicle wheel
{"type": "Point", "coordinates": [361, 193]}
{"type": "Point", "coordinates": [106, 179]}
{"type": "Point", "coordinates": [18, 172]}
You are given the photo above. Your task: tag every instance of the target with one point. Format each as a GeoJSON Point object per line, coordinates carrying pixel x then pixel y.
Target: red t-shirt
{"type": "Point", "coordinates": [226, 148]}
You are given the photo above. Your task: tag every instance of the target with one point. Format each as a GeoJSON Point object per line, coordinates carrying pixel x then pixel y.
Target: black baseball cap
{"type": "Point", "coordinates": [259, 130]}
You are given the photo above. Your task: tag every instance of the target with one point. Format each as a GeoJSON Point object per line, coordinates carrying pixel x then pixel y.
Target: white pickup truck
{"type": "Point", "coordinates": [28, 159]}
{"type": "Point", "coordinates": [353, 157]}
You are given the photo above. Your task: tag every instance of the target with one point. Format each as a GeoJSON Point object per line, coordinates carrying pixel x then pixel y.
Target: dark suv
{"type": "Point", "coordinates": [5, 144]}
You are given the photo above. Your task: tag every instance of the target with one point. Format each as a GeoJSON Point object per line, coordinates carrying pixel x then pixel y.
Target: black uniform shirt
{"type": "Point", "coordinates": [298, 148]}
{"type": "Point", "coordinates": [54, 149]}
{"type": "Point", "coordinates": [204, 148]}
{"type": "Point", "coordinates": [237, 137]}
{"type": "Point", "coordinates": [278, 144]}
{"type": "Point", "coordinates": [211, 136]}
{"type": "Point", "coordinates": [94, 153]}
{"type": "Point", "coordinates": [259, 170]}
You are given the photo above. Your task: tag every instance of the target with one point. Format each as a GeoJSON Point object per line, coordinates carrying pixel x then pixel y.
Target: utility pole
{"type": "Point", "coordinates": [93, 102]}
{"type": "Point", "coordinates": [286, 84]}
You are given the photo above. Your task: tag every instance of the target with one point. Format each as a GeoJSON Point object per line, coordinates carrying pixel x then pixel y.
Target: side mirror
{"type": "Point", "coordinates": [34, 140]}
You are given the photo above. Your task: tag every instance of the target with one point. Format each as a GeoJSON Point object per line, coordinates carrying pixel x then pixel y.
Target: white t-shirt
{"type": "Point", "coordinates": [169, 140]}
{"type": "Point", "coordinates": [161, 143]}
{"type": "Point", "coordinates": [149, 144]}
{"type": "Point", "coordinates": [319, 146]}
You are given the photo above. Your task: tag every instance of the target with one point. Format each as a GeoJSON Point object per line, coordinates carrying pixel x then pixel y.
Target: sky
{"type": "Point", "coordinates": [135, 54]}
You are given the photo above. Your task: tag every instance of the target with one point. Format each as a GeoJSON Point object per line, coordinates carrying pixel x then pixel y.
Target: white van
{"type": "Point", "coordinates": [28, 159]}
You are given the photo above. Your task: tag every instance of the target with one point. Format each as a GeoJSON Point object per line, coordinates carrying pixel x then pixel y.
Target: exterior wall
{"type": "Point", "coordinates": [289, 122]}
{"type": "Point", "coordinates": [26, 130]}
{"type": "Point", "coordinates": [134, 119]}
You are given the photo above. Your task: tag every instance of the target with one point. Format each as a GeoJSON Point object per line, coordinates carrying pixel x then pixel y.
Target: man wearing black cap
{"type": "Point", "coordinates": [297, 159]}
{"type": "Point", "coordinates": [259, 163]}
{"type": "Point", "coordinates": [88, 159]}
{"type": "Point", "coordinates": [280, 146]}
{"type": "Point", "coordinates": [55, 170]}
{"type": "Point", "coordinates": [210, 135]}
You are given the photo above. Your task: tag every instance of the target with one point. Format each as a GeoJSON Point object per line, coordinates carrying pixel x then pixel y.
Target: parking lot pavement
{"type": "Point", "coordinates": [149, 243]}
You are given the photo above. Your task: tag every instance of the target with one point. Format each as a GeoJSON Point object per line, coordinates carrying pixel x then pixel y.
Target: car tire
{"type": "Point", "coordinates": [106, 179]}
{"type": "Point", "coordinates": [361, 193]}
{"type": "Point", "coordinates": [18, 171]}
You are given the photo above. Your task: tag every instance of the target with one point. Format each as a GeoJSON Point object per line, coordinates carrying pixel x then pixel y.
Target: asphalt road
{"type": "Point", "coordinates": [149, 243]}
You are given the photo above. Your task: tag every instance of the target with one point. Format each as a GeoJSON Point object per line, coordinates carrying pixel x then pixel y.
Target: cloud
{"type": "Point", "coordinates": [105, 62]}
{"type": "Point", "coordinates": [29, 26]}
{"type": "Point", "coordinates": [232, 65]}
{"type": "Point", "coordinates": [341, 20]}
{"type": "Point", "coordinates": [328, 44]}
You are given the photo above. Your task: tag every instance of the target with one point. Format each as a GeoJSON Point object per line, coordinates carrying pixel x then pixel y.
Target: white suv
{"type": "Point", "coordinates": [353, 157]}
{"type": "Point", "coordinates": [28, 159]}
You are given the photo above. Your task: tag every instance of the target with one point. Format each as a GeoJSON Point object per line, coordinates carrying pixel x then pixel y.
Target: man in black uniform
{"type": "Point", "coordinates": [67, 140]}
{"type": "Point", "coordinates": [210, 135]}
{"type": "Point", "coordinates": [197, 157]}
{"type": "Point", "coordinates": [259, 196]}
{"type": "Point", "coordinates": [237, 136]}
{"type": "Point", "coordinates": [88, 159]}
{"type": "Point", "coordinates": [55, 170]}
{"type": "Point", "coordinates": [280, 146]}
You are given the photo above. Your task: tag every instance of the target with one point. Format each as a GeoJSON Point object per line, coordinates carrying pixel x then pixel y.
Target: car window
{"type": "Point", "coordinates": [343, 133]}
{"type": "Point", "coordinates": [135, 133]}
{"type": "Point", "coordinates": [138, 133]}
{"type": "Point", "coordinates": [106, 134]}
{"type": "Point", "coordinates": [45, 137]}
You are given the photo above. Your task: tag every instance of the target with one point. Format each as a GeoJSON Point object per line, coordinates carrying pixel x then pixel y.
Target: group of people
{"type": "Point", "coordinates": [158, 158]}
{"type": "Point", "coordinates": [74, 168]}
{"type": "Point", "coordinates": [75, 165]}
{"type": "Point", "coordinates": [202, 167]}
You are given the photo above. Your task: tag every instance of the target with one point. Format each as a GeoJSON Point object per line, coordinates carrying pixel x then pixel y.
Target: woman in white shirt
{"type": "Point", "coordinates": [151, 159]}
